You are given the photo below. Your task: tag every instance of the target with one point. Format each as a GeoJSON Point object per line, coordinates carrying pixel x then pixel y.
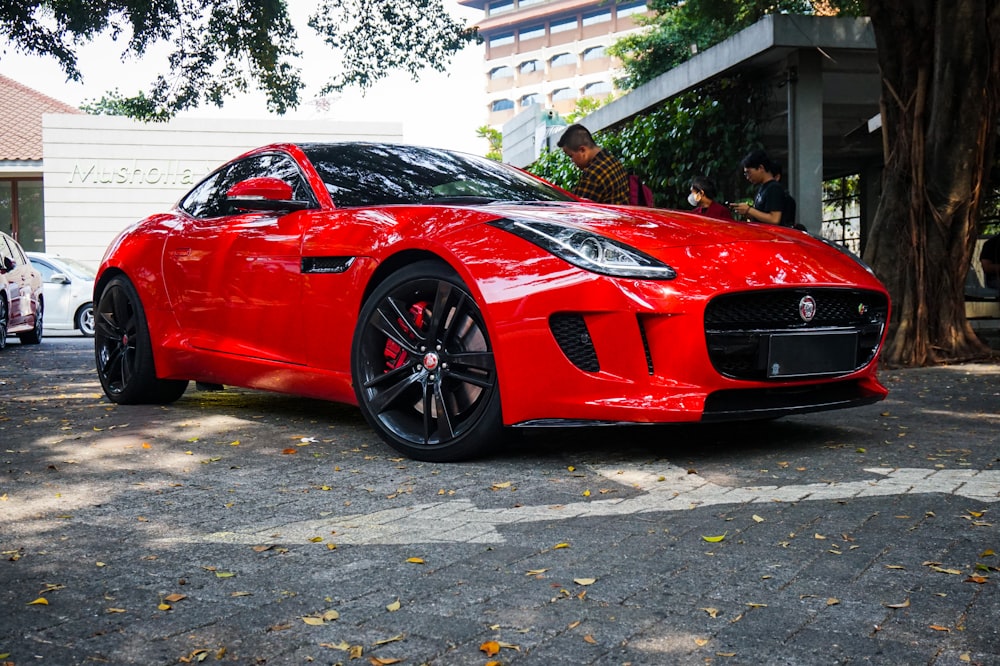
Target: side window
{"type": "Point", "coordinates": [44, 269]}
{"type": "Point", "coordinates": [208, 199]}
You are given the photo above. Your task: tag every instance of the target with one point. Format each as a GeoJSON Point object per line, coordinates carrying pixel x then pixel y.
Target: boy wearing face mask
{"type": "Point", "coordinates": [702, 197]}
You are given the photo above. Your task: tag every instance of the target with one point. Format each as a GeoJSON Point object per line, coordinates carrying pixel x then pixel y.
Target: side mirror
{"type": "Point", "coordinates": [7, 265]}
{"type": "Point", "coordinates": [60, 278]}
{"type": "Point", "coordinates": [264, 194]}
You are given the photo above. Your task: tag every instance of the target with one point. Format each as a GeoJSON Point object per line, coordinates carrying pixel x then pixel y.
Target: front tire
{"type": "Point", "coordinates": [85, 320]}
{"type": "Point", "coordinates": [423, 369]}
{"type": "Point", "coordinates": [123, 351]}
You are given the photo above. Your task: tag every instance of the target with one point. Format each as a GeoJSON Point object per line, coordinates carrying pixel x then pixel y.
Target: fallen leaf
{"type": "Point", "coordinates": [40, 601]}
{"type": "Point", "coordinates": [712, 612]}
{"type": "Point", "coordinates": [584, 581]}
{"type": "Point", "coordinates": [895, 566]}
{"type": "Point", "coordinates": [903, 604]}
{"type": "Point", "coordinates": [393, 639]}
{"type": "Point", "coordinates": [977, 579]}
{"type": "Point", "coordinates": [953, 572]}
{"type": "Point", "coordinates": [757, 519]}
{"type": "Point", "coordinates": [379, 661]}
{"type": "Point", "coordinates": [393, 607]}
{"type": "Point", "coordinates": [725, 654]}
{"type": "Point", "coordinates": [535, 572]}
{"type": "Point", "coordinates": [560, 545]}
{"type": "Point", "coordinates": [414, 560]}
{"type": "Point", "coordinates": [342, 645]}
{"type": "Point", "coordinates": [832, 601]}
{"type": "Point", "coordinates": [491, 648]}
{"type": "Point", "coordinates": [289, 452]}
{"type": "Point", "coordinates": [715, 539]}
{"type": "Point", "coordinates": [313, 621]}
{"type": "Point", "coordinates": [938, 627]}
{"type": "Point", "coordinates": [174, 598]}
{"type": "Point", "coordinates": [590, 639]}
{"type": "Point", "coordinates": [701, 642]}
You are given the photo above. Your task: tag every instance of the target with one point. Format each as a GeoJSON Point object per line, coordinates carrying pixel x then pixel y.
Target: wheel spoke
{"type": "Point", "coordinates": [388, 316]}
{"type": "Point", "coordinates": [398, 381]}
{"type": "Point", "coordinates": [478, 360]}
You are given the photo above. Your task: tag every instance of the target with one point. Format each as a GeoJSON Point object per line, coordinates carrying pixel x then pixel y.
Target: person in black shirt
{"type": "Point", "coordinates": [769, 202]}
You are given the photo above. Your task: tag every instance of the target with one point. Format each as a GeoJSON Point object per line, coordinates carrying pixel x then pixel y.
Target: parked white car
{"type": "Point", "coordinates": [68, 286]}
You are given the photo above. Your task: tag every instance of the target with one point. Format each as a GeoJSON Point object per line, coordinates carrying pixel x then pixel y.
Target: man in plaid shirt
{"type": "Point", "coordinates": [603, 178]}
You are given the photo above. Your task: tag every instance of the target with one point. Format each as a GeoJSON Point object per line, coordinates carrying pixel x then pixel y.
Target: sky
{"type": "Point", "coordinates": [441, 110]}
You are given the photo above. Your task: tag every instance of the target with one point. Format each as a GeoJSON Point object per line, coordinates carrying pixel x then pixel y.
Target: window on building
{"type": "Point", "coordinates": [564, 25]}
{"type": "Point", "coordinates": [593, 18]}
{"type": "Point", "coordinates": [502, 105]}
{"type": "Point", "coordinates": [526, 3]}
{"type": "Point", "coordinates": [502, 39]}
{"type": "Point", "coordinates": [532, 32]}
{"type": "Point", "coordinates": [594, 53]}
{"type": "Point", "coordinates": [22, 212]}
{"type": "Point", "coordinates": [629, 8]}
{"type": "Point", "coordinates": [842, 212]}
{"type": "Point", "coordinates": [597, 88]}
{"type": "Point", "coordinates": [562, 60]}
{"type": "Point", "coordinates": [532, 98]}
{"type": "Point", "coordinates": [529, 66]}
{"type": "Point", "coordinates": [563, 93]}
{"type": "Point", "coordinates": [502, 72]}
{"type": "Point", "coordinates": [499, 6]}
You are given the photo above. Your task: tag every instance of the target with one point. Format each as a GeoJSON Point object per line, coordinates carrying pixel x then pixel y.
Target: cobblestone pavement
{"type": "Point", "coordinates": [250, 528]}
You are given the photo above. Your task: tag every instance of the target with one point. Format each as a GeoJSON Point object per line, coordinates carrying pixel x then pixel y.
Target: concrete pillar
{"type": "Point", "coordinates": [805, 137]}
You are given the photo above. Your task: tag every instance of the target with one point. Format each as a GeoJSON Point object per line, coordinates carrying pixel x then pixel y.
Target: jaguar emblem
{"type": "Point", "coordinates": [807, 308]}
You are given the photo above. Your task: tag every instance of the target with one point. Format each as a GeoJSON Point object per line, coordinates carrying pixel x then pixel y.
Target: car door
{"type": "Point", "coordinates": [234, 278]}
{"type": "Point", "coordinates": [57, 294]}
{"type": "Point", "coordinates": [15, 277]}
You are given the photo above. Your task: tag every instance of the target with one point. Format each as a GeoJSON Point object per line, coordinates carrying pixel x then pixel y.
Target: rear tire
{"type": "Point", "coordinates": [34, 336]}
{"type": "Point", "coordinates": [423, 369]}
{"type": "Point", "coordinates": [85, 320]}
{"type": "Point", "coordinates": [123, 351]}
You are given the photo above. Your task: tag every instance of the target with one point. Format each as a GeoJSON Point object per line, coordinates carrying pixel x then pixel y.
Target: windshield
{"type": "Point", "coordinates": [363, 174]}
{"type": "Point", "coordinates": [78, 269]}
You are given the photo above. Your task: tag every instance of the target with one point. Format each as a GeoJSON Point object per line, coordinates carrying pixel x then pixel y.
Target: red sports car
{"type": "Point", "coordinates": [451, 297]}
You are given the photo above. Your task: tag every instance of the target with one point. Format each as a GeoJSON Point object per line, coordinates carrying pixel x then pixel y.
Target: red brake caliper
{"type": "Point", "coordinates": [395, 355]}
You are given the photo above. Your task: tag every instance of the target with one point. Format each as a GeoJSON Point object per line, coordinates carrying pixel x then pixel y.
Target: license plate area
{"type": "Point", "coordinates": [811, 354]}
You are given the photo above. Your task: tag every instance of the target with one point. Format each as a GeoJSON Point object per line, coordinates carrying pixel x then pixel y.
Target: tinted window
{"type": "Point", "coordinates": [208, 198]}
{"type": "Point", "coordinates": [360, 174]}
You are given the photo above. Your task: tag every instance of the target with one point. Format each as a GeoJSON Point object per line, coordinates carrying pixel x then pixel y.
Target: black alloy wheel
{"type": "Point", "coordinates": [423, 367]}
{"type": "Point", "coordinates": [123, 351]}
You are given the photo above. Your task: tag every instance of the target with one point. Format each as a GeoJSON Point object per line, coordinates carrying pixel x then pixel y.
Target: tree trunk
{"type": "Point", "coordinates": [940, 62]}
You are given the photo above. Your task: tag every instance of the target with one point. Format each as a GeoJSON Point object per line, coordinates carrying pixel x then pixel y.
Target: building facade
{"type": "Point", "coordinates": [550, 53]}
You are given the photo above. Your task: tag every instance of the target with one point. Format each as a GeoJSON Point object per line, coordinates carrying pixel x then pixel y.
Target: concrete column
{"type": "Point", "coordinates": [804, 171]}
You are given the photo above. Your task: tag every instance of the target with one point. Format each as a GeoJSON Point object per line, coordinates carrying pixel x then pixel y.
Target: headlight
{"type": "Point", "coordinates": [588, 250]}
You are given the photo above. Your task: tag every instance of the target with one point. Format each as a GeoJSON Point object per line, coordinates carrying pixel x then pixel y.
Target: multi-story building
{"type": "Point", "coordinates": [550, 52]}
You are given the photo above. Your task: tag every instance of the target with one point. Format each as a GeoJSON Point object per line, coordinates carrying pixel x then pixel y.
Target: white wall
{"type": "Point", "coordinates": [103, 172]}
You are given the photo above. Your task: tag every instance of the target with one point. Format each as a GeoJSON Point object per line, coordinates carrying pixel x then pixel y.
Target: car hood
{"type": "Point", "coordinates": [647, 229]}
{"type": "Point", "coordinates": [737, 254]}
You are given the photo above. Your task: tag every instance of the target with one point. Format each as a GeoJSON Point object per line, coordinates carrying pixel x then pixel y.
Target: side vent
{"type": "Point", "coordinates": [570, 332]}
{"type": "Point", "coordinates": [326, 264]}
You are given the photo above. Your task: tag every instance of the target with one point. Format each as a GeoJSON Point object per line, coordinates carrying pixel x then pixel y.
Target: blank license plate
{"type": "Point", "coordinates": [797, 354]}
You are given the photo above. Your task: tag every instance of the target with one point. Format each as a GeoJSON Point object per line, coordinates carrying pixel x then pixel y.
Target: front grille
{"type": "Point", "coordinates": [570, 332]}
{"type": "Point", "coordinates": [739, 327]}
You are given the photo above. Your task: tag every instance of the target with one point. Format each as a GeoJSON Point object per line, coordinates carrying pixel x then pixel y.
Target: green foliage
{"type": "Point", "coordinates": [706, 131]}
{"type": "Point", "coordinates": [495, 138]}
{"type": "Point", "coordinates": [219, 48]}
{"type": "Point", "coordinates": [681, 28]}
{"type": "Point", "coordinates": [115, 104]}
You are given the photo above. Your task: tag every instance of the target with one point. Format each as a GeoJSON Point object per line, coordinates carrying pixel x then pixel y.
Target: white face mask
{"type": "Point", "coordinates": [692, 199]}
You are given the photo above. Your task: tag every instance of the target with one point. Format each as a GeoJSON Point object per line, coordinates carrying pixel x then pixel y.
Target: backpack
{"type": "Point", "coordinates": [639, 193]}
